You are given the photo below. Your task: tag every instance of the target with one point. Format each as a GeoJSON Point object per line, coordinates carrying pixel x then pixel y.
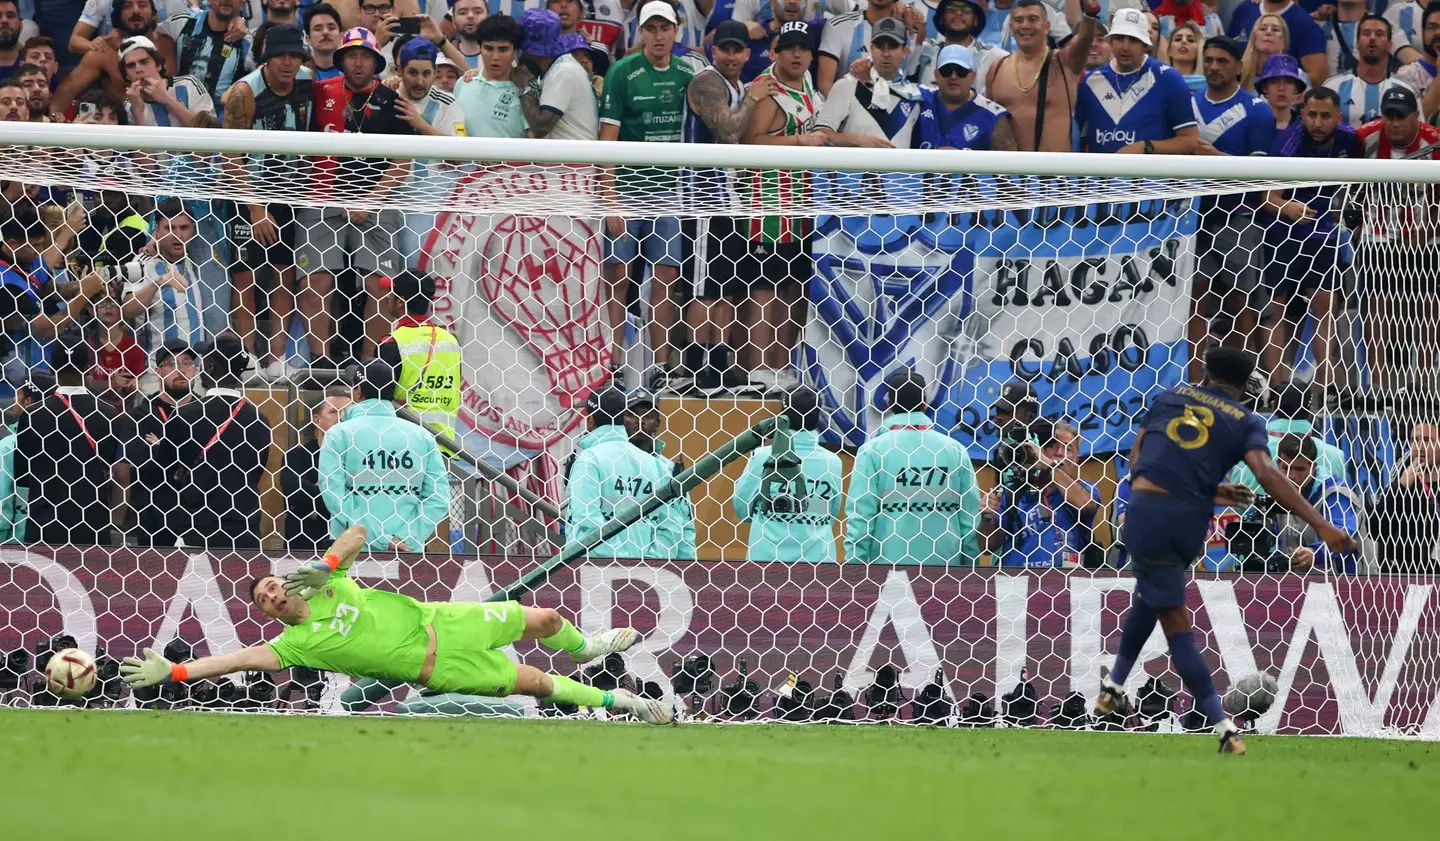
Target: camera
{"type": "Point", "coordinates": [1252, 539]}
{"type": "Point", "coordinates": [1019, 468]}
{"type": "Point", "coordinates": [133, 272]}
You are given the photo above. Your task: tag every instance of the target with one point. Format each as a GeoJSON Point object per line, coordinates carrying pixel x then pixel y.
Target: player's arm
{"type": "Point", "coordinates": [155, 669]}
{"type": "Point", "coordinates": [338, 558]}
{"type": "Point", "coordinates": [1003, 139]}
{"type": "Point", "coordinates": [1340, 511]}
{"type": "Point", "coordinates": [1279, 486]}
{"type": "Point", "coordinates": [1078, 47]}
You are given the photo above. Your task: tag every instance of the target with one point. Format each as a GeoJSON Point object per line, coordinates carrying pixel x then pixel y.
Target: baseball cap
{"type": "Point", "coordinates": [608, 406]}
{"type": "Point", "coordinates": [138, 42]}
{"type": "Point", "coordinates": [1015, 394]}
{"type": "Point", "coordinates": [363, 38]}
{"type": "Point", "coordinates": [794, 33]}
{"type": "Point", "coordinates": [892, 28]}
{"type": "Point", "coordinates": [732, 32]}
{"type": "Point", "coordinates": [958, 55]}
{"type": "Point", "coordinates": [658, 9]}
{"type": "Point", "coordinates": [1132, 24]}
{"type": "Point", "coordinates": [641, 400]}
{"type": "Point", "coordinates": [417, 49]}
{"type": "Point", "coordinates": [1399, 101]}
{"type": "Point", "coordinates": [284, 39]}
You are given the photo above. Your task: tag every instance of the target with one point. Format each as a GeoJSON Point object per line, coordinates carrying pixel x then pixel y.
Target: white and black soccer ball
{"type": "Point", "coordinates": [1251, 696]}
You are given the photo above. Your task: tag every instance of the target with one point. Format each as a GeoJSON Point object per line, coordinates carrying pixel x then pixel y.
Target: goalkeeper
{"type": "Point", "coordinates": [335, 625]}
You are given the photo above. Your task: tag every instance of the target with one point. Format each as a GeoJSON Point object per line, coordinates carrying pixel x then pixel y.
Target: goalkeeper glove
{"type": "Point", "coordinates": [152, 670]}
{"type": "Point", "coordinates": [307, 579]}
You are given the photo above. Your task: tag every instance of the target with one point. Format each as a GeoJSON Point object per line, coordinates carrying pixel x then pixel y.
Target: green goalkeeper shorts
{"type": "Point", "coordinates": [467, 636]}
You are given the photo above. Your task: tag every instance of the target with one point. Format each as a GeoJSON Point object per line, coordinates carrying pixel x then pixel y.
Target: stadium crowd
{"type": "Point", "coordinates": [112, 295]}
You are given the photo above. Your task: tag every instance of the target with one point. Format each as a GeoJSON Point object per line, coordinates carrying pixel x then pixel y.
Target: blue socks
{"type": "Point", "coordinates": [1185, 657]}
{"type": "Point", "coordinates": [1139, 622]}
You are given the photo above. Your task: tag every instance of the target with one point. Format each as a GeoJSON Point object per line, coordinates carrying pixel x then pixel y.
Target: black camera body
{"type": "Point", "coordinates": [1019, 469]}
{"type": "Point", "coordinates": [1253, 539]}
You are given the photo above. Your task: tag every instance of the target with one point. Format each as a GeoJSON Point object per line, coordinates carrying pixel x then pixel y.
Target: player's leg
{"type": "Point", "coordinates": [555, 631]}
{"type": "Point", "coordinates": [620, 250]}
{"type": "Point", "coordinates": [1185, 656]}
{"type": "Point", "coordinates": [558, 689]}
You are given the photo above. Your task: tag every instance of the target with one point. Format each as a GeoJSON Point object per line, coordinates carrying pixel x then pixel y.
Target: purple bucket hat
{"type": "Point", "coordinates": [542, 33]}
{"type": "Point", "coordinates": [1281, 67]}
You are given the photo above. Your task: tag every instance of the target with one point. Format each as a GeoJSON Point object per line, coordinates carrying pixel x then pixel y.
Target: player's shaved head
{"type": "Point", "coordinates": [1229, 366]}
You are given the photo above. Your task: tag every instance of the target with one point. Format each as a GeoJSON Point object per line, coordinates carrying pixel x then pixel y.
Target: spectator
{"type": "Point", "coordinates": [1420, 74]}
{"type": "Point", "coordinates": [275, 97]}
{"type": "Point", "coordinates": [55, 19]}
{"type": "Point", "coordinates": [282, 11]}
{"type": "Point", "coordinates": [793, 522]}
{"type": "Point", "coordinates": [1293, 417]}
{"type": "Point", "coordinates": [14, 101]}
{"type": "Point", "coordinates": [41, 50]}
{"type": "Point", "coordinates": [1269, 38]}
{"type": "Point", "coordinates": [151, 98]}
{"type": "Point", "coordinates": [1398, 253]}
{"type": "Point", "coordinates": [689, 30]}
{"type": "Point", "coordinates": [1282, 84]}
{"type": "Point", "coordinates": [164, 298]}
{"type": "Point", "coordinates": [1051, 524]}
{"type": "Point", "coordinates": [562, 105]}
{"type": "Point", "coordinates": [468, 15]}
{"type": "Point", "coordinates": [1099, 54]}
{"type": "Point", "coordinates": [719, 112]}
{"type": "Point", "coordinates": [428, 111]}
{"type": "Point", "coordinates": [1302, 36]}
{"type": "Point", "coordinates": [912, 497]}
{"type": "Point", "coordinates": [1043, 107]}
{"type": "Point", "coordinates": [10, 27]}
{"type": "Point", "coordinates": [645, 102]}
{"type": "Point", "coordinates": [960, 22]}
{"type": "Point", "coordinates": [355, 103]}
{"type": "Point", "coordinates": [36, 82]}
{"type": "Point", "coordinates": [1406, 521]}
{"type": "Point", "coordinates": [1184, 54]}
{"type": "Point", "coordinates": [154, 496]}
{"type": "Point", "coordinates": [322, 31]}
{"type": "Point", "coordinates": [854, 109]}
{"type": "Point", "coordinates": [119, 359]}
{"type": "Point", "coordinates": [489, 96]}
{"type": "Point", "coordinates": [14, 502]}
{"type": "Point", "coordinates": [954, 116]}
{"type": "Point", "coordinates": [1230, 245]}
{"type": "Point", "coordinates": [1342, 36]}
{"type": "Point", "coordinates": [447, 74]}
{"type": "Point", "coordinates": [608, 475]}
{"type": "Point", "coordinates": [69, 456]}
{"type": "Point", "coordinates": [847, 37]}
{"type": "Point", "coordinates": [1304, 238]}
{"type": "Point", "coordinates": [774, 305]}
{"type": "Point", "coordinates": [30, 308]}
{"type": "Point", "coordinates": [1361, 90]}
{"type": "Point", "coordinates": [428, 355]}
{"type": "Point", "coordinates": [203, 46]}
{"type": "Point", "coordinates": [1336, 502]}
{"type": "Point", "coordinates": [98, 18]}
{"type": "Point", "coordinates": [307, 520]}
{"type": "Point", "coordinates": [102, 65]}
{"type": "Point", "coordinates": [220, 445]}
{"type": "Point", "coordinates": [1160, 120]}
{"type": "Point", "coordinates": [1159, 47]}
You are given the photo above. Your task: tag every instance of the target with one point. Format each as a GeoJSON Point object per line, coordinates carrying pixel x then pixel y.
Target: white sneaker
{"type": "Point", "coordinates": [606, 642]}
{"type": "Point", "coordinates": [277, 370]}
{"type": "Point", "coordinates": [650, 712]}
{"type": "Point", "coordinates": [765, 378]}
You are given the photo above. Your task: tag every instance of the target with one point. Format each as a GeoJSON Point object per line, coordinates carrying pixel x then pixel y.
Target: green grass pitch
{"type": "Point", "coordinates": [215, 776]}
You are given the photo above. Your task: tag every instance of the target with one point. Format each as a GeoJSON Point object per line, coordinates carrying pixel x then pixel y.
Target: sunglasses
{"type": "Point", "coordinates": [951, 71]}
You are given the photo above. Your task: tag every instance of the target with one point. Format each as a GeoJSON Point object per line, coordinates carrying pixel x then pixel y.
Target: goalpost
{"type": "Point", "coordinates": [1075, 275]}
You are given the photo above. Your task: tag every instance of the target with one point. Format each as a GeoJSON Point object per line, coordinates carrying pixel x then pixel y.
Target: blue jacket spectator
{"type": "Point", "coordinates": [1306, 43]}
{"type": "Point", "coordinates": [1334, 499]}
{"type": "Point", "coordinates": [1134, 104]}
{"type": "Point", "coordinates": [1052, 525]}
{"type": "Point", "coordinates": [954, 116]}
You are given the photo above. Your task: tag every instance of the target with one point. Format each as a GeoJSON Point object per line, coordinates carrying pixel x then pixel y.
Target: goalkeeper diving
{"type": "Point", "coordinates": [335, 625]}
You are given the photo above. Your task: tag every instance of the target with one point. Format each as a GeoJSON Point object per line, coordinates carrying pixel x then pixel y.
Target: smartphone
{"type": "Point", "coordinates": [410, 26]}
{"type": "Point", "coordinates": [87, 109]}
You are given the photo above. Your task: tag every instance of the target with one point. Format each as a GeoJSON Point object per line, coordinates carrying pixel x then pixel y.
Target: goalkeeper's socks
{"type": "Point", "coordinates": [1186, 658]}
{"type": "Point", "coordinates": [1138, 625]}
{"type": "Point", "coordinates": [569, 639]}
{"type": "Point", "coordinates": [577, 694]}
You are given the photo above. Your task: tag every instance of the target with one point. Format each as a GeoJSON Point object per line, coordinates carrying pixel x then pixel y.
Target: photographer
{"type": "Point", "coordinates": [1340, 505]}
{"type": "Point", "coordinates": [1043, 515]}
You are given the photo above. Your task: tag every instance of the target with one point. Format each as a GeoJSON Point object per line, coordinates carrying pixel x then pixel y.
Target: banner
{"type": "Point", "coordinates": [1086, 303]}
{"type": "Point", "coordinates": [1352, 656]}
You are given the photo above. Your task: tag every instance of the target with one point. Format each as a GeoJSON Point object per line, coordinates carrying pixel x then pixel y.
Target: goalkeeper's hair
{"type": "Point", "coordinates": [255, 585]}
{"type": "Point", "coordinates": [1229, 366]}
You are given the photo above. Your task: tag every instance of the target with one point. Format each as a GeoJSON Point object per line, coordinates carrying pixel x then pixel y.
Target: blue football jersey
{"type": "Point", "coordinates": [971, 126]}
{"type": "Point", "coordinates": [1243, 124]}
{"type": "Point", "coordinates": [1193, 437]}
{"type": "Point", "coordinates": [1114, 109]}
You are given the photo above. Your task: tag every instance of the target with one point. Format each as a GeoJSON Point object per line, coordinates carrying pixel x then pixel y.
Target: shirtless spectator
{"type": "Point", "coordinates": [135, 17]}
{"type": "Point", "coordinates": [1035, 70]}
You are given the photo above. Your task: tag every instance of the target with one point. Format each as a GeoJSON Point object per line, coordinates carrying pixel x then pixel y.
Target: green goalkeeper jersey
{"type": "Point", "coordinates": [358, 632]}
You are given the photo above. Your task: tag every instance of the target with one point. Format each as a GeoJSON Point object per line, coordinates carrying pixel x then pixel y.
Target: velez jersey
{"type": "Point", "coordinates": [971, 126]}
{"type": "Point", "coordinates": [1114, 109]}
{"type": "Point", "coordinates": [1046, 532]}
{"type": "Point", "coordinates": [781, 188]}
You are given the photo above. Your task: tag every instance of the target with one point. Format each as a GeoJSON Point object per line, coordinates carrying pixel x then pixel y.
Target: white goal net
{"type": "Point", "coordinates": [618, 311]}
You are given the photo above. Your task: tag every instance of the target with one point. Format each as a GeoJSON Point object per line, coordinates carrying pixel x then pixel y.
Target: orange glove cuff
{"type": "Point", "coordinates": [178, 673]}
{"type": "Point", "coordinates": [332, 560]}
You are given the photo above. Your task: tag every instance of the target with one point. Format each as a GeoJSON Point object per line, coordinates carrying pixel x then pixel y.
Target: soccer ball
{"type": "Point", "coordinates": [70, 673]}
{"type": "Point", "coordinates": [1251, 696]}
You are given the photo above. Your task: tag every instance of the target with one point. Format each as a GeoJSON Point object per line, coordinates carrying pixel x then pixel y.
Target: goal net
{"type": "Point", "coordinates": [620, 310]}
